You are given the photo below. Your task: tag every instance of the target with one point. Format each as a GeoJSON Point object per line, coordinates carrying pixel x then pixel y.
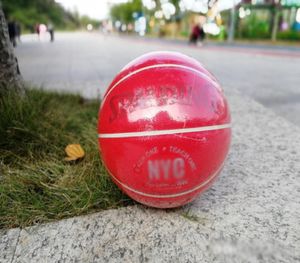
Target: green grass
{"type": "Point", "coordinates": [189, 216]}
{"type": "Point", "coordinates": [36, 183]}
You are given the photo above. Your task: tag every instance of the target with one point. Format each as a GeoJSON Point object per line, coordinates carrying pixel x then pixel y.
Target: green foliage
{"type": "Point", "coordinates": [288, 35]}
{"type": "Point", "coordinates": [31, 12]}
{"type": "Point", "coordinates": [85, 20]}
{"type": "Point", "coordinates": [185, 33]}
{"type": "Point", "coordinates": [254, 27]}
{"type": "Point", "coordinates": [36, 183]}
{"type": "Point", "coordinates": [124, 12]}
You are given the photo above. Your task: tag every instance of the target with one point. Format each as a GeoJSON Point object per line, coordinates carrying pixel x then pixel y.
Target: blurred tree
{"type": "Point", "coordinates": [124, 12]}
{"type": "Point", "coordinates": [275, 13]}
{"type": "Point", "coordinates": [10, 77]}
{"type": "Point", "coordinates": [85, 20]}
{"type": "Point", "coordinates": [31, 12]}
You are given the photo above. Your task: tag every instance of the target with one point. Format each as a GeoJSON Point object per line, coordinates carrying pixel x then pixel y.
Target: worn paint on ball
{"type": "Point", "coordinates": [164, 129]}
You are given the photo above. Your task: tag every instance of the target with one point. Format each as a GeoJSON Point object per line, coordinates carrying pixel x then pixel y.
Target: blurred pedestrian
{"type": "Point", "coordinates": [50, 29]}
{"type": "Point", "coordinates": [12, 32]}
{"type": "Point", "coordinates": [195, 34]}
{"type": "Point", "coordinates": [18, 32]}
{"type": "Point", "coordinates": [37, 30]}
{"type": "Point", "coordinates": [43, 32]}
{"type": "Point", "coordinates": [201, 34]}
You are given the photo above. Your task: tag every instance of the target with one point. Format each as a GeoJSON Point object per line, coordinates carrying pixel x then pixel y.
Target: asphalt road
{"type": "Point", "coordinates": [86, 63]}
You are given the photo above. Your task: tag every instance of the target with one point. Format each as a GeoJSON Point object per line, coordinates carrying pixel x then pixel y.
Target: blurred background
{"type": "Point", "coordinates": [79, 46]}
{"type": "Point", "coordinates": [220, 19]}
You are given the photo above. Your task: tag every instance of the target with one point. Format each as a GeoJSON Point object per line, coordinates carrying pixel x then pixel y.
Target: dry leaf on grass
{"type": "Point", "coordinates": [74, 152]}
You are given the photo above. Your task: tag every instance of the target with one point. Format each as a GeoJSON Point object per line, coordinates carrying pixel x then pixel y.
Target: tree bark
{"type": "Point", "coordinates": [231, 31]}
{"type": "Point", "coordinates": [10, 77]}
{"type": "Point", "coordinates": [275, 24]}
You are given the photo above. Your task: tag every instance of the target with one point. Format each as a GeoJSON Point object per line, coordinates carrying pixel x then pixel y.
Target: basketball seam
{"type": "Point", "coordinates": [164, 132]}
{"type": "Point", "coordinates": [152, 67]}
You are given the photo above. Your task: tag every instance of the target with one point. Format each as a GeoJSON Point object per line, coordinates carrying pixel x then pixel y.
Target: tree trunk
{"type": "Point", "coordinates": [10, 77]}
{"type": "Point", "coordinates": [275, 24]}
{"type": "Point", "coordinates": [231, 31]}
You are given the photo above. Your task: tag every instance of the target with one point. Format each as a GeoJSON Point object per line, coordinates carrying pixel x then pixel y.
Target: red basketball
{"type": "Point", "coordinates": [164, 129]}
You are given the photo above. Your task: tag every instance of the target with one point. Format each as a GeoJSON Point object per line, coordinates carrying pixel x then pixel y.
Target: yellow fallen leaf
{"type": "Point", "coordinates": [74, 152]}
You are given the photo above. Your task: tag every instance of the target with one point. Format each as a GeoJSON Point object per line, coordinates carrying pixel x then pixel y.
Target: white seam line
{"type": "Point", "coordinates": [170, 195]}
{"type": "Point", "coordinates": [157, 66]}
{"type": "Point", "coordinates": [163, 132]}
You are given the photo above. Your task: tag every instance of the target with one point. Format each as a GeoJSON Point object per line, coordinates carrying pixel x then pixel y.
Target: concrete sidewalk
{"type": "Point", "coordinates": [251, 214]}
{"type": "Point", "coordinates": [269, 46]}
